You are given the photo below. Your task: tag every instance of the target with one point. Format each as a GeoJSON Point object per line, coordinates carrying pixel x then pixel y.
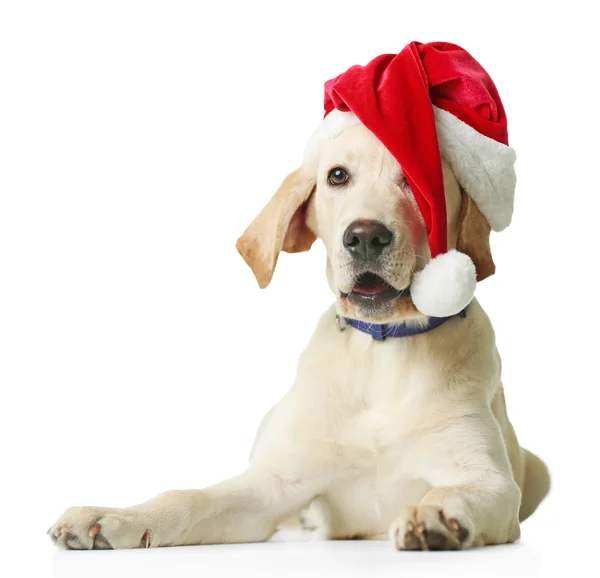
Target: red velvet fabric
{"type": "Point", "coordinates": [393, 95]}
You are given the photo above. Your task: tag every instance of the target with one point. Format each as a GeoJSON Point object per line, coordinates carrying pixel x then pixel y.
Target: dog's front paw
{"type": "Point", "coordinates": [427, 528]}
{"type": "Point", "coordinates": [101, 529]}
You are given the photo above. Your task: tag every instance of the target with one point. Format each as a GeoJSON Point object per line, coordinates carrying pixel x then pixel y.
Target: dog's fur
{"type": "Point", "coordinates": [408, 437]}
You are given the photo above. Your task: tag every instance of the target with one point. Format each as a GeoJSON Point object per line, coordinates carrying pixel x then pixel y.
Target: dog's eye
{"type": "Point", "coordinates": [337, 177]}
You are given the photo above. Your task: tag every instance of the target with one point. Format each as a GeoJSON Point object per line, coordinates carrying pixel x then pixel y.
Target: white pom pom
{"type": "Point", "coordinates": [445, 286]}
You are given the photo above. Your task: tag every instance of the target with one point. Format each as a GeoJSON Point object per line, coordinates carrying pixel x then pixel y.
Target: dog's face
{"type": "Point", "coordinates": [365, 213]}
{"type": "Point", "coordinates": [353, 195]}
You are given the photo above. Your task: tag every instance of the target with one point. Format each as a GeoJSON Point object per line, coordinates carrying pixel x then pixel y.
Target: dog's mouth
{"type": "Point", "coordinates": [372, 290]}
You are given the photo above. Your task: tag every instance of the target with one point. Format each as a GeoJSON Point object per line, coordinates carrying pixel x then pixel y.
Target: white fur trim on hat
{"type": "Point", "coordinates": [482, 166]}
{"type": "Point", "coordinates": [333, 124]}
{"type": "Point", "coordinates": [445, 286]}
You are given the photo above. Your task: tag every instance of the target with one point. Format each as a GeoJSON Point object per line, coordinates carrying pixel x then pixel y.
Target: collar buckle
{"type": "Point", "coordinates": [340, 322]}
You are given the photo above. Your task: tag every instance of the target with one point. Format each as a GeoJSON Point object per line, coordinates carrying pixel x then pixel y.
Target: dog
{"type": "Point", "coordinates": [398, 437]}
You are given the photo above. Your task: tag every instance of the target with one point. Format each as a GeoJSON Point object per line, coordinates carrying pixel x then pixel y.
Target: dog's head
{"type": "Point", "coordinates": [352, 194]}
{"type": "Point", "coordinates": [373, 188]}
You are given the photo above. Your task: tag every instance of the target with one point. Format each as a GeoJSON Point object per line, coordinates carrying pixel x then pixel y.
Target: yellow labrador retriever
{"type": "Point", "coordinates": [404, 437]}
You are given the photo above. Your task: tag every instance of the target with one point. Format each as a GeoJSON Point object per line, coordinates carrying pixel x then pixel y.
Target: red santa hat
{"type": "Point", "coordinates": [431, 101]}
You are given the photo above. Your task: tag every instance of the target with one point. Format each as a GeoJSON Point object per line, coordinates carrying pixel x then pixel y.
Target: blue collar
{"type": "Point", "coordinates": [380, 332]}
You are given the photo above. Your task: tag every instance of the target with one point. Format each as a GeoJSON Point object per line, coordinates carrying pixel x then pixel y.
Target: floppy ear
{"type": "Point", "coordinates": [474, 237]}
{"type": "Point", "coordinates": [281, 225]}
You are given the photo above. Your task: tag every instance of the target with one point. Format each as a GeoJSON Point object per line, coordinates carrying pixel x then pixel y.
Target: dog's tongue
{"type": "Point", "coordinates": [369, 284]}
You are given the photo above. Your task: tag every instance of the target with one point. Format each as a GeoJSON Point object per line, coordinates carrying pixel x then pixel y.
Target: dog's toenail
{"type": "Point", "coordinates": [95, 530]}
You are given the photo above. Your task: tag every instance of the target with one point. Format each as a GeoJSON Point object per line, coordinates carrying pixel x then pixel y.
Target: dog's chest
{"type": "Point", "coordinates": [381, 473]}
{"type": "Point", "coordinates": [388, 395]}
{"type": "Point", "coordinates": [386, 392]}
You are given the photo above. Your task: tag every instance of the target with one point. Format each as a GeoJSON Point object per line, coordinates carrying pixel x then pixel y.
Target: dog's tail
{"type": "Point", "coordinates": [536, 484]}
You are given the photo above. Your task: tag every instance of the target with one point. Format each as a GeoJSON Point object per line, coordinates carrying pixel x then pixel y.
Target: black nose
{"type": "Point", "coordinates": [366, 239]}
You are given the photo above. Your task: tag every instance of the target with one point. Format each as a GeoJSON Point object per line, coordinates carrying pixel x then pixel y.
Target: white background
{"type": "Point", "coordinates": [137, 354]}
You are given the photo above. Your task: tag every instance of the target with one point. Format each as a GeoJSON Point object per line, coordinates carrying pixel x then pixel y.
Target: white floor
{"type": "Point", "coordinates": [292, 554]}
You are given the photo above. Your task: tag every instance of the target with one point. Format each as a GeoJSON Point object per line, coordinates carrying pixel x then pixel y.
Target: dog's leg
{"type": "Point", "coordinates": [244, 509]}
{"type": "Point", "coordinates": [474, 500]}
